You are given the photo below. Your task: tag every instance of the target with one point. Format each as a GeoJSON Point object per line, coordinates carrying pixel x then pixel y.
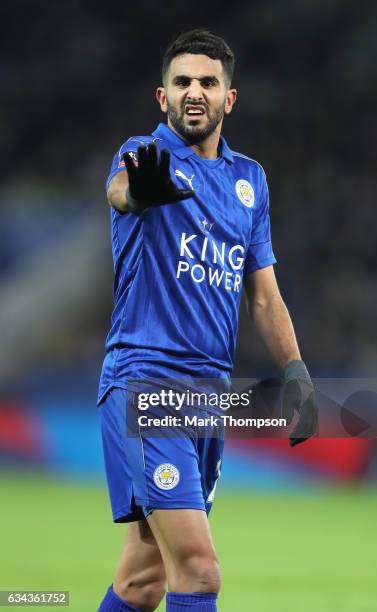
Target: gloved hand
{"type": "Point", "coordinates": [149, 182]}
{"type": "Point", "coordinates": [298, 394]}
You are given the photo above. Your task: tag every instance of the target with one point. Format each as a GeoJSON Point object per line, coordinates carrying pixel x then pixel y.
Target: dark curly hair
{"type": "Point", "coordinates": [200, 42]}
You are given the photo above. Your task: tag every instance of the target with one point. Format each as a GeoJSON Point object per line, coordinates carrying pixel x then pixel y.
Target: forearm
{"type": "Point", "coordinates": [119, 197]}
{"type": "Point", "coordinates": [124, 202]}
{"type": "Point", "coordinates": [272, 320]}
{"type": "Point", "coordinates": [274, 325]}
{"type": "Point", "coordinates": [116, 192]}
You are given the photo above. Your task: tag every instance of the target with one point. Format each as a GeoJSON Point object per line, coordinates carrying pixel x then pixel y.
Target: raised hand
{"type": "Point", "coordinates": [149, 181]}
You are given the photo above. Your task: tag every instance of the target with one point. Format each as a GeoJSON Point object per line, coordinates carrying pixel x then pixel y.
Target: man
{"type": "Point", "coordinates": [190, 222]}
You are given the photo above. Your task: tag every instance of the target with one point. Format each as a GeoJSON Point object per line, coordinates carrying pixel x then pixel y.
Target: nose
{"type": "Point", "coordinates": [195, 91]}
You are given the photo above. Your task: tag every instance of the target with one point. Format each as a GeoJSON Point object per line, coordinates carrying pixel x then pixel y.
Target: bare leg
{"type": "Point", "coordinates": [185, 543]}
{"type": "Point", "coordinates": [140, 576]}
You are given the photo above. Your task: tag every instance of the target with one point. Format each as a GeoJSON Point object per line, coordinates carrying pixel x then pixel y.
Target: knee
{"type": "Point", "coordinates": [144, 591]}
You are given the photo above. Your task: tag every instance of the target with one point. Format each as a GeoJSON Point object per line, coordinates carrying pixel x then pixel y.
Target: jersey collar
{"type": "Point", "coordinates": [181, 149]}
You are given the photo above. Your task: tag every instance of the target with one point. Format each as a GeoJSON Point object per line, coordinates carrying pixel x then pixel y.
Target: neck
{"type": "Point", "coordinates": [206, 148]}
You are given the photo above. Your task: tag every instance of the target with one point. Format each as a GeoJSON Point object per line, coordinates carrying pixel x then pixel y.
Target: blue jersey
{"type": "Point", "coordinates": [179, 267]}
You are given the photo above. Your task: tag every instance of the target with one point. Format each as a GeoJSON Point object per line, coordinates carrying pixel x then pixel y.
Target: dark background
{"type": "Point", "coordinates": [78, 79]}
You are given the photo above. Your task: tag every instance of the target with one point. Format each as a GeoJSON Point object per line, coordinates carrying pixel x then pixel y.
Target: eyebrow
{"type": "Point", "coordinates": [210, 77]}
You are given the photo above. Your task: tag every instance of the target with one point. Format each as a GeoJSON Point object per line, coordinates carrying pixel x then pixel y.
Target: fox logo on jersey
{"type": "Point", "coordinates": [245, 192]}
{"type": "Point", "coordinates": [166, 476]}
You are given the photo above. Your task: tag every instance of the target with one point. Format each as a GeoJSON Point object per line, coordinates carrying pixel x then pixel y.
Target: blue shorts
{"type": "Point", "coordinates": [145, 473]}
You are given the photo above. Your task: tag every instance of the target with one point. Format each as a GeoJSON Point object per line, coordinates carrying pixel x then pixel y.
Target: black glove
{"type": "Point", "coordinates": [149, 182]}
{"type": "Point", "coordinates": [298, 394]}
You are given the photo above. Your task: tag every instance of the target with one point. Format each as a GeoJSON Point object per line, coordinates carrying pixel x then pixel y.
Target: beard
{"type": "Point", "coordinates": [194, 134]}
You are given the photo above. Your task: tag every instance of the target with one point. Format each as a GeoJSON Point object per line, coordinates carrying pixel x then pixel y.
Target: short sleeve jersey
{"type": "Point", "coordinates": [179, 267]}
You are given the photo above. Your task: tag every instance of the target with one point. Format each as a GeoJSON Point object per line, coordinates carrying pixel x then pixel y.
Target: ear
{"type": "Point", "coordinates": [230, 99]}
{"type": "Point", "coordinates": [161, 99]}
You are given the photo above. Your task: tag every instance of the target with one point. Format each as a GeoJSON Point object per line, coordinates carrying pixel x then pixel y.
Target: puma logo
{"type": "Point", "coordinates": [180, 174]}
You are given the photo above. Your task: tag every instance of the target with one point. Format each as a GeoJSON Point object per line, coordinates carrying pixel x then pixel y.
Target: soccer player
{"type": "Point", "coordinates": [190, 227]}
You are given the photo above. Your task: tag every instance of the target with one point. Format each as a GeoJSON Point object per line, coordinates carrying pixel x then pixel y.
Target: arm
{"type": "Point", "coordinates": [116, 192]}
{"type": "Point", "coordinates": [270, 316]}
{"type": "Point", "coordinates": [272, 320]}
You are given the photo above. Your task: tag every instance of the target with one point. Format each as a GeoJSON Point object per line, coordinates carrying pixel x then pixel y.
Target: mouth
{"type": "Point", "coordinates": [194, 111]}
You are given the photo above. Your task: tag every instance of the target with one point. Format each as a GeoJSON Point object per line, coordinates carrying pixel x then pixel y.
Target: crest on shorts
{"type": "Point", "coordinates": [245, 192]}
{"type": "Point", "coordinates": [166, 476]}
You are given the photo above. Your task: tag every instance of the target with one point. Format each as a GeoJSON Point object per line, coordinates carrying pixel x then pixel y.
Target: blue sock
{"type": "Point", "coordinates": [113, 603]}
{"type": "Point", "coordinates": [198, 602]}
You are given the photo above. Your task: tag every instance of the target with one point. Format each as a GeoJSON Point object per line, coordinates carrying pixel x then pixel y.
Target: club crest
{"type": "Point", "coordinates": [245, 192]}
{"type": "Point", "coordinates": [166, 476]}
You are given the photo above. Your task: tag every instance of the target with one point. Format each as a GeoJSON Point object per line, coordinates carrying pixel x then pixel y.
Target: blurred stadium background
{"type": "Point", "coordinates": [295, 530]}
